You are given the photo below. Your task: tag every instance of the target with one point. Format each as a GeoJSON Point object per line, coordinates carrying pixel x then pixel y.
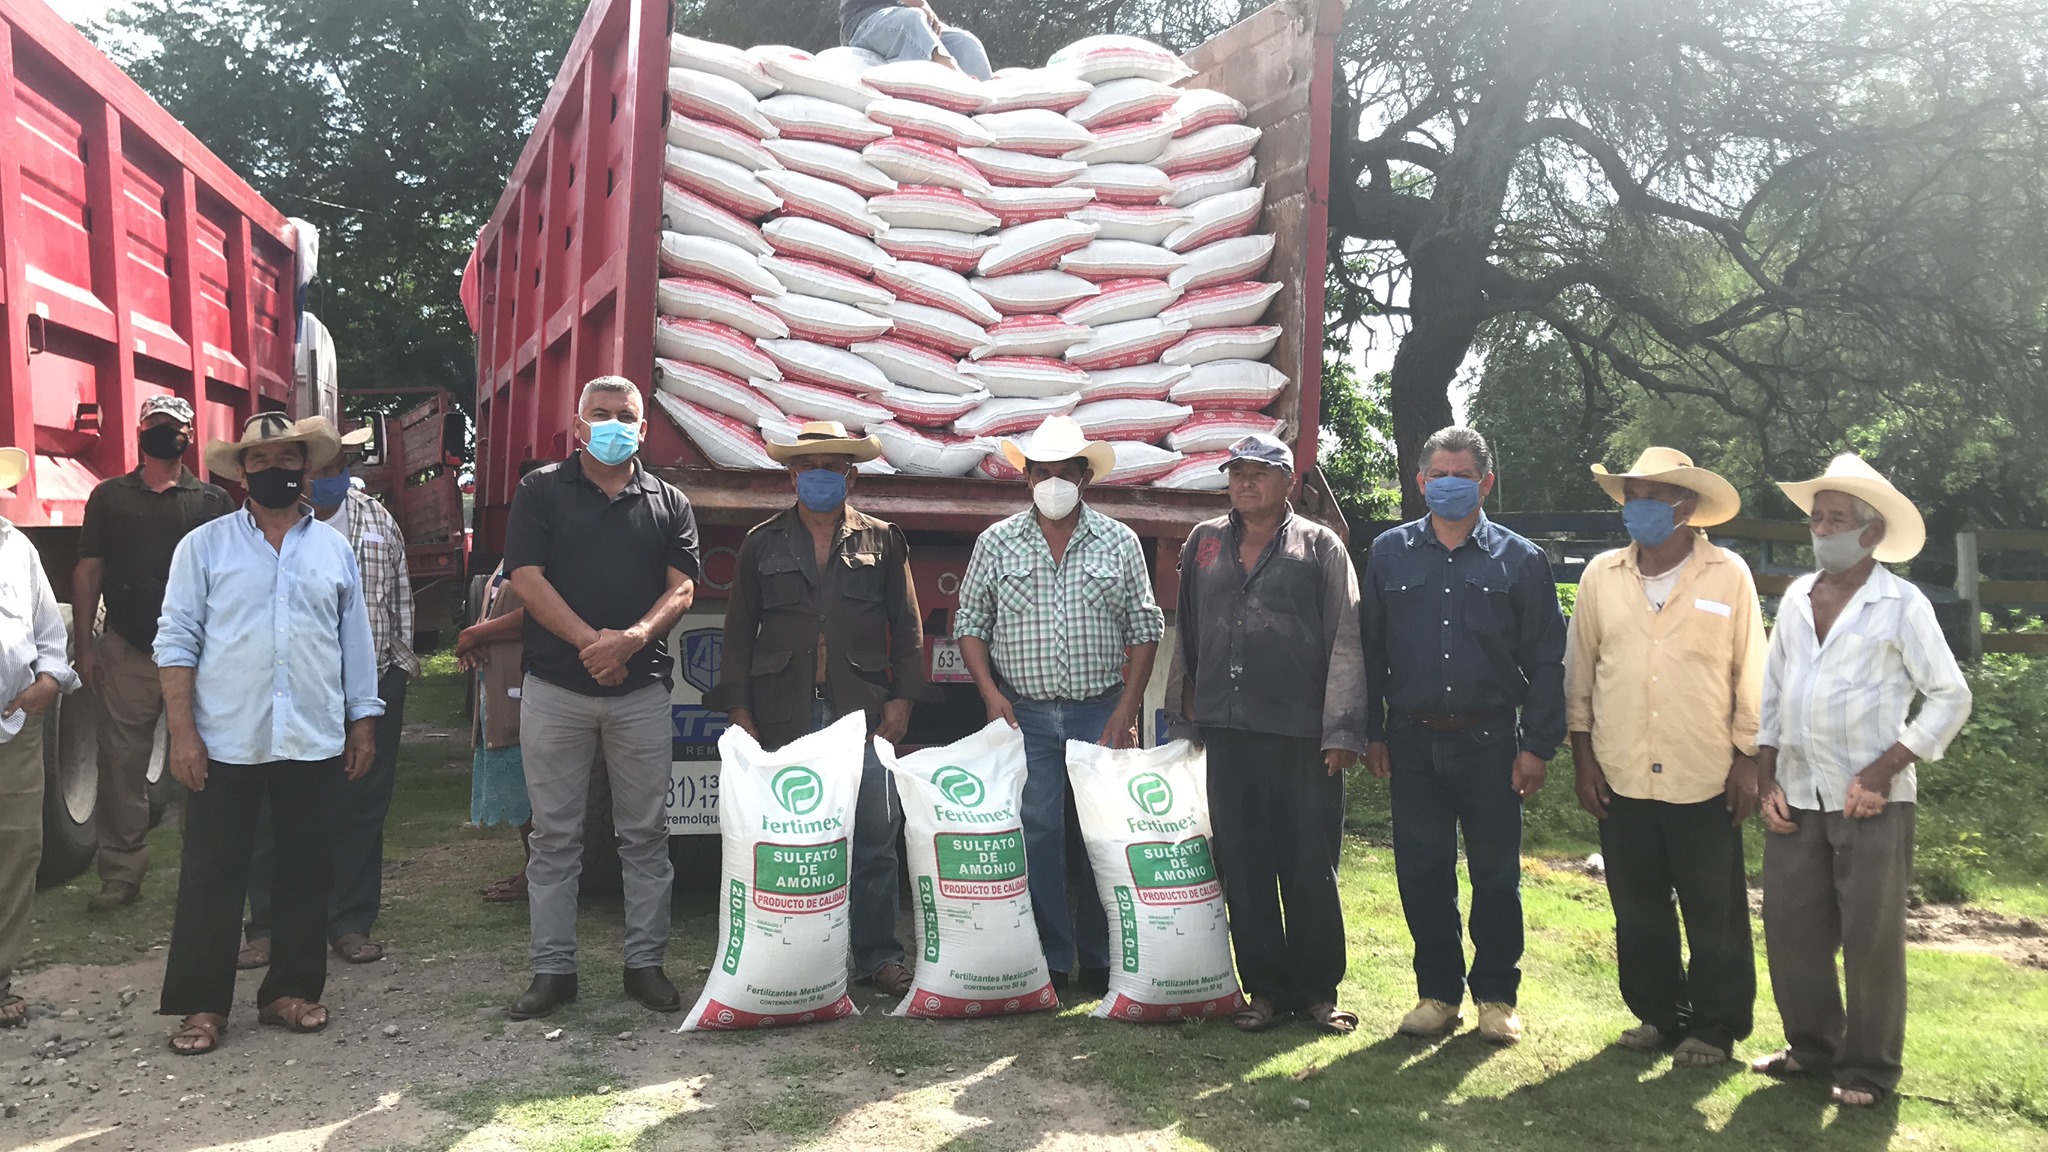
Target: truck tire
{"type": "Point", "coordinates": [601, 875]}
{"type": "Point", "coordinates": [71, 787]}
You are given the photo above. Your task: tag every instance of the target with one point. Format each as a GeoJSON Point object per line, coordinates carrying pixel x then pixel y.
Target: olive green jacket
{"type": "Point", "coordinates": [864, 604]}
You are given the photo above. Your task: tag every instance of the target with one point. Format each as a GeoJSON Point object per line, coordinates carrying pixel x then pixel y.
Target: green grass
{"type": "Point", "coordinates": [1977, 1043]}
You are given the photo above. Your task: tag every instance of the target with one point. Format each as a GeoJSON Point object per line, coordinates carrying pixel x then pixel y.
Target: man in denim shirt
{"type": "Point", "coordinates": [1462, 630]}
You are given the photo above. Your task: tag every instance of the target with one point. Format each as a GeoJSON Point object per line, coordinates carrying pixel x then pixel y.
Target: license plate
{"type": "Point", "coordinates": [947, 665]}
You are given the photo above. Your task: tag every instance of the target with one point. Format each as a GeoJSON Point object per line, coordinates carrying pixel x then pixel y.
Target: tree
{"type": "Point", "coordinates": [1792, 210]}
{"type": "Point", "coordinates": [1357, 451]}
{"type": "Point", "coordinates": [390, 124]}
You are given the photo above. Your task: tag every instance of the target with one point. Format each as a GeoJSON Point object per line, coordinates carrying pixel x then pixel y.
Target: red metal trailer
{"type": "Point", "coordinates": [563, 282]}
{"type": "Point", "coordinates": [133, 263]}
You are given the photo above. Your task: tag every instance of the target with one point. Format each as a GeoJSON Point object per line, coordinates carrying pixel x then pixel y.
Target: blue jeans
{"type": "Point", "coordinates": [898, 33]}
{"type": "Point", "coordinates": [1444, 781]}
{"type": "Point", "coordinates": [877, 819]}
{"type": "Point", "coordinates": [1064, 930]}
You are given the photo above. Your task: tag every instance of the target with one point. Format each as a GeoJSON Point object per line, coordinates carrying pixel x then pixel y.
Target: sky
{"type": "Point", "coordinates": [80, 11]}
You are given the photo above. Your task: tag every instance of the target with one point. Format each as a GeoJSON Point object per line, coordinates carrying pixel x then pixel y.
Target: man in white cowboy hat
{"type": "Point", "coordinates": [604, 555]}
{"type": "Point", "coordinates": [33, 672]}
{"type": "Point", "coordinates": [1663, 672]}
{"type": "Point", "coordinates": [132, 524]}
{"type": "Point", "coordinates": [1055, 604]}
{"type": "Point", "coordinates": [823, 621]}
{"type": "Point", "coordinates": [1272, 679]}
{"type": "Point", "coordinates": [270, 688]}
{"type": "Point", "coordinates": [358, 890]}
{"type": "Point", "coordinates": [1854, 646]}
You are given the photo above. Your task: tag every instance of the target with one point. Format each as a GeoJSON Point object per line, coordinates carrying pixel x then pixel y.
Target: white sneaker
{"type": "Point", "coordinates": [1499, 1024]}
{"type": "Point", "coordinates": [1430, 1018]}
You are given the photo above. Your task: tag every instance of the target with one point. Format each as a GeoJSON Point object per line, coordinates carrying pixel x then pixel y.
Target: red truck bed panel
{"type": "Point", "coordinates": [133, 263]}
{"type": "Point", "coordinates": [565, 271]}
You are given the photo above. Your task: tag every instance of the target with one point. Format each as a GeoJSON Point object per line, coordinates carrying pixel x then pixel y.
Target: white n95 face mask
{"type": "Point", "coordinates": [1840, 552]}
{"type": "Point", "coordinates": [1056, 497]}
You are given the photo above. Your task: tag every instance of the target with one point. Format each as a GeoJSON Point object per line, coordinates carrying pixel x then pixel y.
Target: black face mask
{"type": "Point", "coordinates": [275, 487]}
{"type": "Point", "coordinates": [164, 441]}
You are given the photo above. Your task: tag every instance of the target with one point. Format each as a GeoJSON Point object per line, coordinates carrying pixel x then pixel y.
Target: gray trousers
{"type": "Point", "coordinates": [1839, 885]}
{"type": "Point", "coordinates": [560, 734]}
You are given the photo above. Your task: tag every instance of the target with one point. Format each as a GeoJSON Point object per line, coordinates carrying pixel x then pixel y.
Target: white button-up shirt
{"type": "Point", "coordinates": [31, 629]}
{"type": "Point", "coordinates": [1833, 707]}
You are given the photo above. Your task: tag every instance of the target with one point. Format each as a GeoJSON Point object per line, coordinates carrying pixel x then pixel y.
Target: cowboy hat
{"type": "Point", "coordinates": [1718, 500]}
{"type": "Point", "coordinates": [1060, 438]}
{"type": "Point", "coordinates": [224, 457]}
{"type": "Point", "coordinates": [1905, 533]}
{"type": "Point", "coordinates": [350, 441]}
{"type": "Point", "coordinates": [825, 438]}
{"type": "Point", "coordinates": [13, 466]}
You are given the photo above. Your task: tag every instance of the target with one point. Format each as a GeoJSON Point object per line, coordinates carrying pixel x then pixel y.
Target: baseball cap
{"type": "Point", "coordinates": [1261, 448]}
{"type": "Point", "coordinates": [172, 406]}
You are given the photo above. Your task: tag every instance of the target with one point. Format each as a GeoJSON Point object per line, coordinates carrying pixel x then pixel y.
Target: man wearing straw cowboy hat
{"type": "Point", "coordinates": [1056, 603]}
{"type": "Point", "coordinates": [33, 671]}
{"type": "Point", "coordinates": [823, 621]}
{"type": "Point", "coordinates": [270, 687]}
{"type": "Point", "coordinates": [358, 890]}
{"type": "Point", "coordinates": [1662, 675]}
{"type": "Point", "coordinates": [1854, 646]}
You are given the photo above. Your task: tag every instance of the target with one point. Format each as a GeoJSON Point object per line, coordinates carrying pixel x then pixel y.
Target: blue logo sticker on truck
{"type": "Point", "coordinates": [701, 650]}
{"type": "Point", "coordinates": [696, 732]}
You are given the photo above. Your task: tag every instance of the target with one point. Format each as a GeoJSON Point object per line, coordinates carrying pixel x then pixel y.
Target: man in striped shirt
{"type": "Point", "coordinates": [1055, 603]}
{"type": "Point", "coordinates": [1854, 646]}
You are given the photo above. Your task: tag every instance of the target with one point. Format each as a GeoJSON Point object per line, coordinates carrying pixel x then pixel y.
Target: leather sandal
{"type": "Point", "coordinates": [204, 1027]}
{"type": "Point", "coordinates": [510, 890]}
{"type": "Point", "coordinates": [1258, 1015]}
{"type": "Point", "coordinates": [254, 954]}
{"type": "Point", "coordinates": [1778, 1065]}
{"type": "Point", "coordinates": [892, 979]}
{"type": "Point", "coordinates": [1327, 1017]}
{"type": "Point", "coordinates": [13, 1012]}
{"type": "Point", "coordinates": [291, 1014]}
{"type": "Point", "coordinates": [357, 948]}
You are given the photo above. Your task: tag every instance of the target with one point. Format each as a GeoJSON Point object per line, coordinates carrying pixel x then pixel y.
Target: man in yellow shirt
{"type": "Point", "coordinates": [1663, 688]}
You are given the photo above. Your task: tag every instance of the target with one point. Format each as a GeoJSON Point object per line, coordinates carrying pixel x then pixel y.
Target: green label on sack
{"type": "Point", "coordinates": [799, 878]}
{"type": "Point", "coordinates": [736, 926]}
{"type": "Point", "coordinates": [980, 865]}
{"type": "Point", "coordinates": [1127, 924]}
{"type": "Point", "coordinates": [1177, 873]}
{"type": "Point", "coordinates": [928, 913]}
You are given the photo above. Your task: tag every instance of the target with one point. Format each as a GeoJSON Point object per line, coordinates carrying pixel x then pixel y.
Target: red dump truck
{"type": "Point", "coordinates": [562, 287]}
{"type": "Point", "coordinates": [133, 263]}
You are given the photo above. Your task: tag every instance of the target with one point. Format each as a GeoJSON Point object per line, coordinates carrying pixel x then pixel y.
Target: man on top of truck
{"type": "Point", "coordinates": [823, 621]}
{"type": "Point", "coordinates": [132, 524]}
{"type": "Point", "coordinates": [899, 30]}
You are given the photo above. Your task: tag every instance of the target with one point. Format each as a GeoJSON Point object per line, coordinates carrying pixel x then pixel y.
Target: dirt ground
{"type": "Point", "coordinates": [396, 1070]}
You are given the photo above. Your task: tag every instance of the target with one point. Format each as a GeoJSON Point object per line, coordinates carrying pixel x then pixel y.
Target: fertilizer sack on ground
{"type": "Point", "coordinates": [1145, 816]}
{"type": "Point", "coordinates": [787, 822]}
{"type": "Point", "coordinates": [978, 952]}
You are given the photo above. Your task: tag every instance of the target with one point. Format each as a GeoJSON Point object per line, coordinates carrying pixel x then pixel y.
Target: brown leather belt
{"type": "Point", "coordinates": [1459, 721]}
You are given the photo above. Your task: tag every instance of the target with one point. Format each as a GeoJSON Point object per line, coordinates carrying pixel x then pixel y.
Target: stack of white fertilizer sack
{"type": "Point", "coordinates": [944, 262]}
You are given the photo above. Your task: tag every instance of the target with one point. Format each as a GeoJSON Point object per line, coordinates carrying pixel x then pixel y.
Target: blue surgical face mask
{"type": "Point", "coordinates": [1649, 522]}
{"type": "Point", "coordinates": [1452, 497]}
{"type": "Point", "coordinates": [820, 489]}
{"type": "Point", "coordinates": [613, 442]}
{"type": "Point", "coordinates": [329, 491]}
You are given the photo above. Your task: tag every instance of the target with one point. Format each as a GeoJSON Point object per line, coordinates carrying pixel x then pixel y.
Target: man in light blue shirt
{"type": "Point", "coordinates": [270, 687]}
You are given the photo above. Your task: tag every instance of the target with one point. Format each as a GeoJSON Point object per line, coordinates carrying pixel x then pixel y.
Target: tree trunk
{"type": "Point", "coordinates": [1424, 367]}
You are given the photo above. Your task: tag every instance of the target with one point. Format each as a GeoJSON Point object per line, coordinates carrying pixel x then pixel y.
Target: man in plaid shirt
{"type": "Point", "coordinates": [1056, 602]}
{"type": "Point", "coordinates": [358, 890]}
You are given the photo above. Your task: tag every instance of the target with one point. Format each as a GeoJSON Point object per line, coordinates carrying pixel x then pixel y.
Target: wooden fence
{"type": "Point", "coordinates": [1575, 537]}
